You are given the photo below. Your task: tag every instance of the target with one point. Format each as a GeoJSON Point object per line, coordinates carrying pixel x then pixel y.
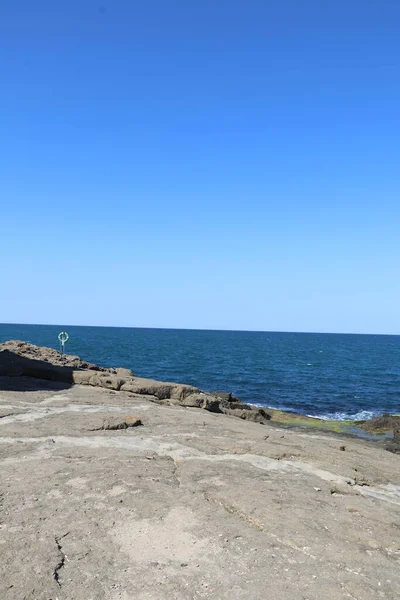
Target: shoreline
{"type": "Point", "coordinates": [345, 426]}
{"type": "Point", "coordinates": [18, 358]}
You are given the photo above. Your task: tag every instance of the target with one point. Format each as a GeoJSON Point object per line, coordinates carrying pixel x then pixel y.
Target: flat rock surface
{"type": "Point", "coordinates": [190, 505]}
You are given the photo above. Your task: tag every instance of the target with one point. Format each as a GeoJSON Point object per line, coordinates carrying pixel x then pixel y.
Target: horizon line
{"type": "Point", "coordinates": [203, 329]}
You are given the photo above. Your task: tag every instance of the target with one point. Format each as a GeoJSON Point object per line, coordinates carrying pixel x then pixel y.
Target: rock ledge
{"type": "Point", "coordinates": [19, 358]}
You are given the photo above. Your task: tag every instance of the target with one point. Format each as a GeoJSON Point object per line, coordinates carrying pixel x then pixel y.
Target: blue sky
{"type": "Point", "coordinates": [224, 165]}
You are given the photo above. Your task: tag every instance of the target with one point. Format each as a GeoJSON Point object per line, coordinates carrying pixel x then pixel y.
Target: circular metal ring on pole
{"type": "Point", "coordinates": [63, 337]}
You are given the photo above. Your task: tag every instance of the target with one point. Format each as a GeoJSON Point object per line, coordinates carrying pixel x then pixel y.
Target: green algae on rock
{"type": "Point", "coordinates": [350, 427]}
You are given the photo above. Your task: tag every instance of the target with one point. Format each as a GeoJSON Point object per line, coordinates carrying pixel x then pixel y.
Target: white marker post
{"type": "Point", "coordinates": [63, 338]}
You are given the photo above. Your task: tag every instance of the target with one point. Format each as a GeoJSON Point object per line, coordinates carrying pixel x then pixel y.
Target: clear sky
{"type": "Point", "coordinates": [214, 164]}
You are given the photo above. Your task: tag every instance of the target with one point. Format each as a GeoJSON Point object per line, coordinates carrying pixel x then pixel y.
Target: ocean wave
{"type": "Point", "coordinates": [362, 415]}
{"type": "Point", "coordinates": [263, 405]}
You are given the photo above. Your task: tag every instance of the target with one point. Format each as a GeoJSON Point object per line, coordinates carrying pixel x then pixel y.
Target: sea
{"type": "Point", "coordinates": [330, 376]}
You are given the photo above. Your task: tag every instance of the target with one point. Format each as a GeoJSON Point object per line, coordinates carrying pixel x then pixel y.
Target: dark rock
{"type": "Point", "coordinates": [250, 413]}
{"type": "Point", "coordinates": [193, 400]}
{"type": "Point", "coordinates": [201, 400]}
{"type": "Point", "coordinates": [393, 446]}
{"type": "Point", "coordinates": [381, 424]}
{"type": "Point", "coordinates": [226, 397]}
{"type": "Point", "coordinates": [114, 423]}
{"type": "Point", "coordinates": [14, 365]}
{"type": "Point", "coordinates": [239, 405]}
{"type": "Point", "coordinates": [48, 355]}
{"type": "Point", "coordinates": [212, 404]}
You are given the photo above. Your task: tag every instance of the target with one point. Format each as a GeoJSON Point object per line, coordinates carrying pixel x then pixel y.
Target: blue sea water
{"type": "Point", "coordinates": [326, 375]}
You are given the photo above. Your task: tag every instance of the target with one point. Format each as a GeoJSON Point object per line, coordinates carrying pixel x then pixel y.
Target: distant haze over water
{"type": "Point", "coordinates": [327, 375]}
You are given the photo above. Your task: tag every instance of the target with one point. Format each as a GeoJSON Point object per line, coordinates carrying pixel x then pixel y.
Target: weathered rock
{"type": "Point", "coordinates": [42, 353]}
{"type": "Point", "coordinates": [159, 389]}
{"type": "Point", "coordinates": [212, 404]}
{"type": "Point", "coordinates": [193, 400]}
{"type": "Point", "coordinates": [115, 514]}
{"type": "Point", "coordinates": [227, 404]}
{"type": "Point", "coordinates": [109, 381]}
{"type": "Point", "coordinates": [202, 400]}
{"type": "Point", "coordinates": [121, 372]}
{"type": "Point", "coordinates": [252, 413]}
{"type": "Point", "coordinates": [80, 377]}
{"type": "Point", "coordinates": [393, 446]}
{"type": "Point", "coordinates": [381, 424]}
{"type": "Point", "coordinates": [225, 397]}
{"type": "Point", "coordinates": [237, 404]}
{"type": "Point", "coordinates": [14, 365]}
{"type": "Point", "coordinates": [22, 359]}
{"type": "Point", "coordinates": [114, 423]}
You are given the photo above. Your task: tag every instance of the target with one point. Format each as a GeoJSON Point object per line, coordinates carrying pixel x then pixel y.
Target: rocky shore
{"type": "Point", "coordinates": [22, 359]}
{"type": "Point", "coordinates": [121, 488]}
{"type": "Point", "coordinates": [19, 358]}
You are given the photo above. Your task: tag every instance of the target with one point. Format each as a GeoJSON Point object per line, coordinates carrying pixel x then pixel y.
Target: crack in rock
{"type": "Point", "coordinates": [233, 510]}
{"type": "Point", "coordinates": [61, 562]}
{"type": "Point", "coordinates": [114, 424]}
{"type": "Point", "coordinates": [175, 474]}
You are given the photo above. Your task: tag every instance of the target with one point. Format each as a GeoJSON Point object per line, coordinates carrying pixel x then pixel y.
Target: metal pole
{"type": "Point", "coordinates": [63, 337]}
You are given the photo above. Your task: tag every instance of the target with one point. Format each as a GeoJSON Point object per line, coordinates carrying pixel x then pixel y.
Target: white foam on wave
{"type": "Point", "coordinates": [260, 405]}
{"type": "Point", "coordinates": [362, 415]}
